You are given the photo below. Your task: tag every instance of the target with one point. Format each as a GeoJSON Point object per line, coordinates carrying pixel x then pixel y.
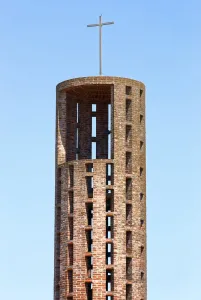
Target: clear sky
{"type": "Point", "coordinates": [45, 42]}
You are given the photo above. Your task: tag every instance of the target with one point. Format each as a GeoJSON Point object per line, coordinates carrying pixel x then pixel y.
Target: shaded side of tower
{"type": "Point", "coordinates": [100, 205]}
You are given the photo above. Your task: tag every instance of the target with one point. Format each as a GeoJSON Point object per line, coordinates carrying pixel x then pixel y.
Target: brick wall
{"type": "Point", "coordinates": [80, 243]}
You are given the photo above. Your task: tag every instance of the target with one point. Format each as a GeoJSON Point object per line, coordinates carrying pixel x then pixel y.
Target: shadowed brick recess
{"type": "Point", "coordinates": [100, 198]}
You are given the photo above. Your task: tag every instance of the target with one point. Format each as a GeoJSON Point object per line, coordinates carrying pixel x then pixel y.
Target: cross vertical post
{"type": "Point", "coordinates": [100, 40]}
{"type": "Point", "coordinates": [100, 45]}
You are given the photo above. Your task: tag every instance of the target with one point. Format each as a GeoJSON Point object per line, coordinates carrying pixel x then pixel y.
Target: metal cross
{"type": "Point", "coordinates": [100, 39]}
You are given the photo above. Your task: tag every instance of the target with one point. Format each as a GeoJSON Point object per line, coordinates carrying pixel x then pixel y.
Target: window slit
{"type": "Point", "coordinates": [109, 131]}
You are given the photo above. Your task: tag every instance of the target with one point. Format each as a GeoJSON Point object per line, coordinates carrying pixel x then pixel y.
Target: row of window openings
{"type": "Point", "coordinates": [109, 181]}
{"type": "Point", "coordinates": [128, 91]}
{"type": "Point", "coordinates": [109, 194]}
{"type": "Point", "coordinates": [94, 132]}
{"type": "Point", "coordinates": [109, 220]}
{"type": "Point", "coordinates": [109, 177]}
{"type": "Point", "coordinates": [109, 258]}
{"type": "Point", "coordinates": [89, 288]}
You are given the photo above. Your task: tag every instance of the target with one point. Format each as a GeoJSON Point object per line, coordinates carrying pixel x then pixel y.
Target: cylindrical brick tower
{"type": "Point", "coordinates": [100, 207]}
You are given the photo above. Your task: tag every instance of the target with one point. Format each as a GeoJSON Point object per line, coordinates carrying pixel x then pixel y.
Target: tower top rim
{"type": "Point", "coordinates": [90, 80]}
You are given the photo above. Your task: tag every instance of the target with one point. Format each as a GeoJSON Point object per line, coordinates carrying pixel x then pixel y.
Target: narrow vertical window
{"type": "Point", "coordinates": [93, 132]}
{"type": "Point", "coordinates": [71, 176]}
{"type": "Point", "coordinates": [128, 188]}
{"type": "Point", "coordinates": [129, 292]}
{"type": "Point", "coordinates": [128, 268]}
{"type": "Point", "coordinates": [128, 135]}
{"type": "Point", "coordinates": [70, 281]}
{"type": "Point", "coordinates": [89, 183]}
{"type": "Point", "coordinates": [128, 110]}
{"type": "Point", "coordinates": [93, 107]}
{"type": "Point", "coordinates": [93, 126]}
{"type": "Point", "coordinates": [128, 90]}
{"type": "Point", "coordinates": [109, 131]}
{"type": "Point", "coordinates": [129, 214]}
{"type": "Point", "coordinates": [109, 280]}
{"type": "Point", "coordinates": [129, 162]}
{"type": "Point", "coordinates": [129, 242]}
{"type": "Point", "coordinates": [93, 150]}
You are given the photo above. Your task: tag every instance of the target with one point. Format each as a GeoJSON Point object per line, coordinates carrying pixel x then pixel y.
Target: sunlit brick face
{"type": "Point", "coordinates": [100, 202]}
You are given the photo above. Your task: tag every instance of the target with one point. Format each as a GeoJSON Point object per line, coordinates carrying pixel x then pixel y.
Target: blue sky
{"type": "Point", "coordinates": [45, 42]}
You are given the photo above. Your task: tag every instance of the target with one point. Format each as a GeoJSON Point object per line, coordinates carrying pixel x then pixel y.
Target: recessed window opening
{"type": "Point", "coordinates": [70, 281]}
{"type": "Point", "coordinates": [141, 249]}
{"type": "Point", "coordinates": [93, 107]}
{"type": "Point", "coordinates": [141, 196]}
{"type": "Point", "coordinates": [129, 241]}
{"type": "Point", "coordinates": [89, 267]}
{"type": "Point", "coordinates": [128, 188]}
{"type": "Point", "coordinates": [77, 112]}
{"type": "Point", "coordinates": [109, 227]}
{"type": "Point", "coordinates": [129, 292]}
{"type": "Point", "coordinates": [89, 168]}
{"type": "Point", "coordinates": [141, 171]}
{"type": "Point", "coordinates": [142, 275]}
{"type": "Point", "coordinates": [70, 255]}
{"type": "Point", "coordinates": [141, 118]}
{"type": "Point", "coordinates": [129, 214]}
{"type": "Point", "coordinates": [93, 126]}
{"type": "Point", "coordinates": [89, 291]}
{"type": "Point", "coordinates": [141, 145]}
{"type": "Point", "coordinates": [129, 162]}
{"type": "Point", "coordinates": [89, 240]}
{"type": "Point", "coordinates": [70, 226]}
{"type": "Point", "coordinates": [141, 92]}
{"type": "Point", "coordinates": [77, 138]}
{"type": "Point", "coordinates": [109, 201]}
{"type": "Point", "coordinates": [109, 174]}
{"type": "Point", "coordinates": [89, 182]}
{"type": "Point", "coordinates": [128, 268]}
{"type": "Point", "coordinates": [128, 135]}
{"type": "Point", "coordinates": [93, 152]}
{"type": "Point", "coordinates": [109, 280]}
{"type": "Point", "coordinates": [77, 143]}
{"type": "Point", "coordinates": [71, 176]}
{"type": "Point", "coordinates": [141, 222]}
{"type": "Point", "coordinates": [128, 110]}
{"type": "Point", "coordinates": [128, 90]}
{"type": "Point", "coordinates": [70, 202]}
{"type": "Point", "coordinates": [89, 209]}
{"type": "Point", "coordinates": [109, 254]}
{"type": "Point", "coordinates": [109, 131]}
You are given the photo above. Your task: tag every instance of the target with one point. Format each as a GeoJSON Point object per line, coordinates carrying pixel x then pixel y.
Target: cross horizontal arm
{"type": "Point", "coordinates": [92, 25]}
{"type": "Point", "coordinates": [108, 23]}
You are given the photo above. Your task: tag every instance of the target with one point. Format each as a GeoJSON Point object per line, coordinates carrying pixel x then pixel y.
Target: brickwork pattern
{"type": "Point", "coordinates": [76, 241]}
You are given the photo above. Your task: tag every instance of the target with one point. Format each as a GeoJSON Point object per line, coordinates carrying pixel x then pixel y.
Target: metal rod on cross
{"type": "Point", "coordinates": [100, 39]}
